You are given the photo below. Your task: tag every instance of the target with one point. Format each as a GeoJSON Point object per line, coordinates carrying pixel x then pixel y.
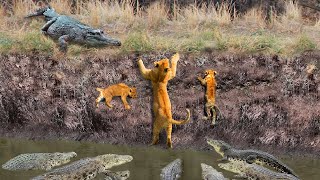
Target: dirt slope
{"type": "Point", "coordinates": [266, 101]}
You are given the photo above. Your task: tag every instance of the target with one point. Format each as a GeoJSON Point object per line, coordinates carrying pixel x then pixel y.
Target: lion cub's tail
{"type": "Point", "coordinates": [99, 89]}
{"type": "Point", "coordinates": [181, 121]}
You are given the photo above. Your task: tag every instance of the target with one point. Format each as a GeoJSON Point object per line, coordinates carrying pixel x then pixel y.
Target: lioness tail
{"type": "Point", "coordinates": [181, 121]}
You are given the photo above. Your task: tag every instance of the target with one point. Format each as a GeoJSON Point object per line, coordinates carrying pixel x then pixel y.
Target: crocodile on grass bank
{"type": "Point", "coordinates": [209, 173]}
{"type": "Point", "coordinates": [254, 171]}
{"type": "Point", "coordinates": [172, 171]}
{"type": "Point", "coordinates": [68, 30]}
{"type": "Point", "coordinates": [40, 161]}
{"type": "Point", "coordinates": [248, 155]}
{"type": "Point", "coordinates": [87, 168]}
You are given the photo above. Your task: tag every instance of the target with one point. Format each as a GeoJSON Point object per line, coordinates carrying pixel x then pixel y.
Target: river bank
{"type": "Point", "coordinates": [267, 101]}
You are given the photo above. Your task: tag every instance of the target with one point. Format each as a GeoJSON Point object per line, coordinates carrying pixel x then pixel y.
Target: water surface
{"type": "Point", "coordinates": [147, 161]}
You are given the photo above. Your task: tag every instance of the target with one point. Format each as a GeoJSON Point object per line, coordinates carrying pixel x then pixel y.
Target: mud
{"type": "Point", "coordinates": [266, 102]}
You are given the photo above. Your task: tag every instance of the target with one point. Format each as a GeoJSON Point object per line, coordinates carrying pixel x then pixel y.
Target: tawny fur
{"type": "Point", "coordinates": [120, 89]}
{"type": "Point", "coordinates": [211, 85]}
{"type": "Point", "coordinates": [159, 76]}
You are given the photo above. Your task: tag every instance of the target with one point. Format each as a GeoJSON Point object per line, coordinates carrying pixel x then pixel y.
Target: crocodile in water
{"type": "Point", "coordinates": [249, 155]}
{"type": "Point", "coordinates": [209, 173]}
{"type": "Point", "coordinates": [120, 175]}
{"type": "Point", "coordinates": [172, 171]}
{"type": "Point", "coordinates": [41, 161]}
{"type": "Point", "coordinates": [85, 169]}
{"type": "Point", "coordinates": [254, 171]}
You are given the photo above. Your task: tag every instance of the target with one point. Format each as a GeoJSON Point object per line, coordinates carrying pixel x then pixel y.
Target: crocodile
{"type": "Point", "coordinates": [172, 171]}
{"type": "Point", "coordinates": [38, 161]}
{"type": "Point", "coordinates": [120, 175]}
{"type": "Point", "coordinates": [69, 30]}
{"type": "Point", "coordinates": [87, 168]}
{"type": "Point", "coordinates": [249, 155]}
{"type": "Point", "coordinates": [209, 173]}
{"type": "Point", "coordinates": [254, 171]}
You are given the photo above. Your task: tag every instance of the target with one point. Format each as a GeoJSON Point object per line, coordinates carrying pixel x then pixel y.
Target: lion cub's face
{"type": "Point", "coordinates": [133, 92]}
{"type": "Point", "coordinates": [162, 69]}
{"type": "Point", "coordinates": [211, 73]}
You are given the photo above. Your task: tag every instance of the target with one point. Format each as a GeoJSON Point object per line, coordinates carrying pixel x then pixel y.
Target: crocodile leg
{"type": "Point", "coordinates": [45, 27]}
{"type": "Point", "coordinates": [63, 45]}
{"type": "Point", "coordinates": [224, 159]}
{"type": "Point", "coordinates": [251, 158]}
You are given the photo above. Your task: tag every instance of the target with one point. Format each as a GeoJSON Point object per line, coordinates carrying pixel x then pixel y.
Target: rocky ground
{"type": "Point", "coordinates": [265, 101]}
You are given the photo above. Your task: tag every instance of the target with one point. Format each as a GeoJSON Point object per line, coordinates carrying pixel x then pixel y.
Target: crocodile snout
{"type": "Point", "coordinates": [118, 43]}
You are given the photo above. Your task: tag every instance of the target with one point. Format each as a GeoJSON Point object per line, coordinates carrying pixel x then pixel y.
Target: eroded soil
{"type": "Point", "coordinates": [265, 101]}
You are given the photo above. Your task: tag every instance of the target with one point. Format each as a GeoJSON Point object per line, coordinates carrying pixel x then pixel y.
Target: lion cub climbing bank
{"type": "Point", "coordinates": [159, 76]}
{"type": "Point", "coordinates": [120, 89]}
{"type": "Point", "coordinates": [210, 82]}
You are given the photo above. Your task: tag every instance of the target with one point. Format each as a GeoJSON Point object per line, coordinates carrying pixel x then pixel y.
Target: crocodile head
{"type": "Point", "coordinates": [233, 166]}
{"type": "Point", "coordinates": [219, 146]}
{"type": "Point", "coordinates": [97, 38]}
{"type": "Point", "coordinates": [110, 160]}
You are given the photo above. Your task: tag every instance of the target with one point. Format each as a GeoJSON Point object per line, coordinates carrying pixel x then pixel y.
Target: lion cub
{"type": "Point", "coordinates": [311, 68]}
{"type": "Point", "coordinates": [211, 85]}
{"type": "Point", "coordinates": [120, 89]}
{"type": "Point", "coordinates": [159, 76]}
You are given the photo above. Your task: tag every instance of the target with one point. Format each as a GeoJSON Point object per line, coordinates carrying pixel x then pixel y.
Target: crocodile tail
{"type": "Point", "coordinates": [38, 12]}
{"type": "Point", "coordinates": [180, 122]}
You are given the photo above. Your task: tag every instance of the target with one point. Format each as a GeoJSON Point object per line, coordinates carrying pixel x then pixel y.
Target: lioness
{"type": "Point", "coordinates": [159, 76]}
{"type": "Point", "coordinates": [211, 85]}
{"type": "Point", "coordinates": [120, 89]}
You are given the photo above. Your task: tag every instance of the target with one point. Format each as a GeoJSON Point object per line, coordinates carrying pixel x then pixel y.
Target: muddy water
{"type": "Point", "coordinates": [147, 162]}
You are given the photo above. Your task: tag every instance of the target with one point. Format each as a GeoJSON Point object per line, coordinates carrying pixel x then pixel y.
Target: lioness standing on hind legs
{"type": "Point", "coordinates": [211, 85]}
{"type": "Point", "coordinates": [159, 76]}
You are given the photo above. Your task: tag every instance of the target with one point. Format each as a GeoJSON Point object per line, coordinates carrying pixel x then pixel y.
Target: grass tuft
{"type": "Point", "coordinates": [35, 41]}
{"type": "Point", "coordinates": [137, 42]}
{"type": "Point", "coordinates": [304, 43]}
{"type": "Point", "coordinates": [6, 43]}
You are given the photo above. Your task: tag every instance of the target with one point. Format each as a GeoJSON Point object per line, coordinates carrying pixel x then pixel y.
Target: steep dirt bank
{"type": "Point", "coordinates": [266, 101]}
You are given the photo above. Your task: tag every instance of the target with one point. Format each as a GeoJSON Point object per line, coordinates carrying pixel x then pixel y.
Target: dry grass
{"type": "Point", "coordinates": [191, 29]}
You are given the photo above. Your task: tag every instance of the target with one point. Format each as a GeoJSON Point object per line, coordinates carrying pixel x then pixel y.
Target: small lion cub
{"type": "Point", "coordinates": [211, 85]}
{"type": "Point", "coordinates": [311, 69]}
{"type": "Point", "coordinates": [120, 89]}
